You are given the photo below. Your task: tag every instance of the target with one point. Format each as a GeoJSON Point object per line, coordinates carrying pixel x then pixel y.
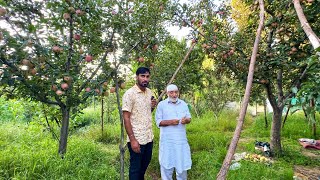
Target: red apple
{"type": "Point", "coordinates": [64, 86]}
{"type": "Point", "coordinates": [71, 9]}
{"type": "Point", "coordinates": [76, 37]}
{"type": "Point", "coordinates": [59, 92]}
{"type": "Point", "coordinates": [225, 56]}
{"type": "Point", "coordinates": [56, 49]}
{"type": "Point", "coordinates": [141, 59]}
{"type": "Point", "coordinates": [25, 62]}
{"type": "Point", "coordinates": [161, 8]}
{"type": "Point", "coordinates": [105, 84]}
{"type": "Point", "coordinates": [54, 87]}
{"type": "Point", "coordinates": [123, 85]}
{"type": "Point", "coordinates": [3, 11]}
{"type": "Point", "coordinates": [67, 78]}
{"type": "Point", "coordinates": [33, 71]}
{"type": "Point", "coordinates": [214, 46]}
{"type": "Point", "coordinates": [66, 16]}
{"type": "Point", "coordinates": [204, 45]}
{"type": "Point", "coordinates": [88, 89]}
{"type": "Point", "coordinates": [88, 58]}
{"type": "Point", "coordinates": [97, 91]}
{"type": "Point", "coordinates": [79, 12]}
{"type": "Point", "coordinates": [155, 48]}
{"type": "Point", "coordinates": [112, 89]}
{"type": "Point", "coordinates": [293, 49]}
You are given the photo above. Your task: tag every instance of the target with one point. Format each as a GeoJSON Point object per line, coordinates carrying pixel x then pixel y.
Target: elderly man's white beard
{"type": "Point", "coordinates": [173, 99]}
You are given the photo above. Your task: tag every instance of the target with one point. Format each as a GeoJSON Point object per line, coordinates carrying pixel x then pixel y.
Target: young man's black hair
{"type": "Point", "coordinates": [142, 70]}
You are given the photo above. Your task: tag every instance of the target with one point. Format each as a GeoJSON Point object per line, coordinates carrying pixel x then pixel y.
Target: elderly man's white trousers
{"type": "Point", "coordinates": [166, 174]}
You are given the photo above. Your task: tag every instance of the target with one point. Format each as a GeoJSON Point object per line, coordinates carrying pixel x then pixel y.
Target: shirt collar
{"type": "Point", "coordinates": [136, 87]}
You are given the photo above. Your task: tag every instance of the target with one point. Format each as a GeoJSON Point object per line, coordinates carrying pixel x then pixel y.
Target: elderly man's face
{"type": "Point", "coordinates": [173, 95]}
{"type": "Point", "coordinates": [143, 79]}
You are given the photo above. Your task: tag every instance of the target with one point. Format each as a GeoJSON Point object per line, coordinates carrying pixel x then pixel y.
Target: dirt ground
{"type": "Point", "coordinates": [308, 173]}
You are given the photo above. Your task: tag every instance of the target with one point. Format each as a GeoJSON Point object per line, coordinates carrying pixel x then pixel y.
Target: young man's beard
{"type": "Point", "coordinates": [143, 84]}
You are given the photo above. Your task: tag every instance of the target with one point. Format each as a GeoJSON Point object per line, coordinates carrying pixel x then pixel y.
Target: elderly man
{"type": "Point", "coordinates": [174, 151]}
{"type": "Point", "coordinates": [137, 106]}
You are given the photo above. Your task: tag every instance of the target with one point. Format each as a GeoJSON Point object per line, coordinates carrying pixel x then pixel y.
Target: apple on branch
{"type": "Point", "coordinates": [88, 58]}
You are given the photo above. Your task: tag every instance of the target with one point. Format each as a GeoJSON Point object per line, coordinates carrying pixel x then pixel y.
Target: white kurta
{"type": "Point", "coordinates": [174, 150]}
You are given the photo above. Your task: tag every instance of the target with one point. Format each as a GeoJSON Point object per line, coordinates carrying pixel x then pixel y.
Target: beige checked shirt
{"type": "Point", "coordinates": [138, 103]}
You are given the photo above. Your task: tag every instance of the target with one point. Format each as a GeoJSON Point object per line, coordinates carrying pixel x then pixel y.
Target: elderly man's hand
{"type": "Point", "coordinates": [185, 120]}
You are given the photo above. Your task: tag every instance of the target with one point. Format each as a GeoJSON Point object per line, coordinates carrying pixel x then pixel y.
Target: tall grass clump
{"type": "Point", "coordinates": [18, 110]}
{"type": "Point", "coordinates": [29, 152]}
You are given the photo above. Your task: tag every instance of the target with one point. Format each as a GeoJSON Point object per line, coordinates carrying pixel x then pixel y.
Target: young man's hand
{"type": "Point", "coordinates": [153, 103]}
{"type": "Point", "coordinates": [135, 146]}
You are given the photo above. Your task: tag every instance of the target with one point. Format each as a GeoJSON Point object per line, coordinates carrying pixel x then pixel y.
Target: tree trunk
{"type": "Point", "coordinates": [285, 118]}
{"type": "Point", "coordinates": [275, 143]}
{"type": "Point", "coordinates": [64, 130]}
{"type": "Point", "coordinates": [315, 41]}
{"type": "Point", "coordinates": [236, 136]}
{"type": "Point", "coordinates": [313, 119]}
{"type": "Point", "coordinates": [121, 146]}
{"type": "Point", "coordinates": [102, 114]}
{"type": "Point", "coordinates": [265, 114]}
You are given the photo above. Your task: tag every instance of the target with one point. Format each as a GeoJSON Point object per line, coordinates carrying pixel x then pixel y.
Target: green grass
{"type": "Point", "coordinates": [30, 152]}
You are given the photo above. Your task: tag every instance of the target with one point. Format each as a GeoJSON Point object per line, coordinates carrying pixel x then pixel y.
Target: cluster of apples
{"type": "Point", "coordinates": [104, 91]}
{"type": "Point", "coordinates": [257, 158]}
{"type": "Point", "coordinates": [65, 85]}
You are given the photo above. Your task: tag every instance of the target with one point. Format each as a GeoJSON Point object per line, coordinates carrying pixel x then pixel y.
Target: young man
{"type": "Point", "coordinates": [174, 151]}
{"type": "Point", "coordinates": [137, 104]}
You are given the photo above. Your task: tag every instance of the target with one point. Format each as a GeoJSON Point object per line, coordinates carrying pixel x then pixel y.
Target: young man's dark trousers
{"type": "Point", "coordinates": [139, 162]}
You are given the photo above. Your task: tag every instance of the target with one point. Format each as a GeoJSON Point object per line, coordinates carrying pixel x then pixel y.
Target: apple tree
{"type": "Point", "coordinates": [59, 52]}
{"type": "Point", "coordinates": [284, 48]}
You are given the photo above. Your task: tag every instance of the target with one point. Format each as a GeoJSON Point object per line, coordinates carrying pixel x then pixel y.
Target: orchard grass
{"type": "Point", "coordinates": [28, 150]}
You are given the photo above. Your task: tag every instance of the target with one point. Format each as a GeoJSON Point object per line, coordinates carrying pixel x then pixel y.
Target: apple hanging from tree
{"type": "Point", "coordinates": [25, 62]}
{"type": "Point", "coordinates": [64, 86]}
{"type": "Point", "coordinates": [141, 59]}
{"type": "Point", "coordinates": [123, 85]}
{"type": "Point", "coordinates": [79, 12]}
{"type": "Point", "coordinates": [3, 11]}
{"type": "Point", "coordinates": [67, 16]}
{"type": "Point", "coordinates": [88, 89]}
{"type": "Point", "coordinates": [112, 89]}
{"type": "Point", "coordinates": [71, 9]}
{"type": "Point", "coordinates": [77, 37]}
{"type": "Point", "coordinates": [155, 48]}
{"type": "Point", "coordinates": [88, 58]}
{"type": "Point", "coordinates": [33, 71]}
{"type": "Point", "coordinates": [59, 92]}
{"type": "Point", "coordinates": [56, 49]}
{"type": "Point", "coordinates": [54, 87]}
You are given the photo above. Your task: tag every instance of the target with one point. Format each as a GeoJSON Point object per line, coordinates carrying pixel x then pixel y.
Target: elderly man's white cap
{"type": "Point", "coordinates": [172, 87]}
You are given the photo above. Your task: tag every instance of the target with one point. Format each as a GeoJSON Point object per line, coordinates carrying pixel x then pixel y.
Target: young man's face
{"type": "Point", "coordinates": [143, 79]}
